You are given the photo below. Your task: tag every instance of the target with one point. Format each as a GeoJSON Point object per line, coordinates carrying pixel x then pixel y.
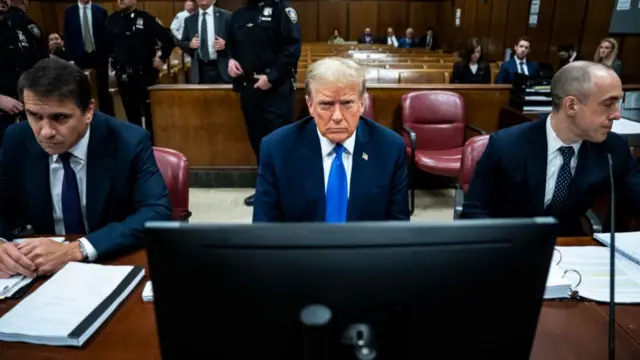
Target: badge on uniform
{"type": "Point", "coordinates": [23, 39]}
{"type": "Point", "coordinates": [34, 29]}
{"type": "Point", "coordinates": [291, 14]}
{"type": "Point", "coordinates": [140, 23]}
{"type": "Point", "coordinates": [267, 11]}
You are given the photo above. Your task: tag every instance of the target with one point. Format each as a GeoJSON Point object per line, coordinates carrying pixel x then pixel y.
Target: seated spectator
{"type": "Point", "coordinates": [472, 69]}
{"type": "Point", "coordinates": [430, 40]}
{"type": "Point", "coordinates": [391, 38]}
{"type": "Point", "coordinates": [56, 47]}
{"type": "Point", "coordinates": [567, 54]}
{"type": "Point", "coordinates": [335, 165]}
{"type": "Point", "coordinates": [336, 38]}
{"type": "Point", "coordinates": [409, 40]}
{"type": "Point", "coordinates": [367, 37]}
{"type": "Point", "coordinates": [607, 54]}
{"type": "Point", "coordinates": [518, 64]}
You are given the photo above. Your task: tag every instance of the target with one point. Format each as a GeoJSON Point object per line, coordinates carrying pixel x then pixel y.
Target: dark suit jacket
{"type": "Point", "coordinates": [73, 39]}
{"type": "Point", "coordinates": [435, 43]}
{"type": "Point", "coordinates": [462, 73]}
{"type": "Point", "coordinates": [124, 190]}
{"type": "Point", "coordinates": [291, 185]}
{"type": "Point", "coordinates": [362, 40]}
{"type": "Point", "coordinates": [509, 68]}
{"type": "Point", "coordinates": [405, 43]}
{"type": "Point", "coordinates": [510, 178]}
{"type": "Point", "coordinates": [191, 28]}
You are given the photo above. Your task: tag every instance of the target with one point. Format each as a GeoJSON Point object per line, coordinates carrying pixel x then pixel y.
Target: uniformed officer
{"type": "Point", "coordinates": [21, 46]}
{"type": "Point", "coordinates": [132, 35]}
{"type": "Point", "coordinates": [264, 48]}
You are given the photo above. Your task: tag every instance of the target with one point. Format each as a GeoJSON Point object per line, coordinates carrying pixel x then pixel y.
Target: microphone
{"type": "Point", "coordinates": [612, 273]}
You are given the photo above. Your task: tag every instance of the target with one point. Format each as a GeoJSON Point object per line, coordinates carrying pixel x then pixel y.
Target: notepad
{"type": "Point", "coordinates": [69, 307]}
{"type": "Point", "coordinates": [627, 244]}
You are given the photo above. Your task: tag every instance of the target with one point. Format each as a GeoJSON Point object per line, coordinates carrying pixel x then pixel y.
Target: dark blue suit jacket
{"type": "Point", "coordinates": [73, 31]}
{"type": "Point", "coordinates": [291, 186]}
{"type": "Point", "coordinates": [510, 178]}
{"type": "Point", "coordinates": [509, 68]}
{"type": "Point", "coordinates": [124, 190]}
{"type": "Point", "coordinates": [405, 43]}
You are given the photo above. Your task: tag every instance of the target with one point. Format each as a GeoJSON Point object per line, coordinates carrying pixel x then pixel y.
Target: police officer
{"type": "Point", "coordinates": [264, 48]}
{"type": "Point", "coordinates": [132, 35]}
{"type": "Point", "coordinates": [21, 46]}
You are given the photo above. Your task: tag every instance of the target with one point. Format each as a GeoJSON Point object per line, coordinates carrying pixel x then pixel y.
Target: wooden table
{"type": "Point", "coordinates": [566, 329]}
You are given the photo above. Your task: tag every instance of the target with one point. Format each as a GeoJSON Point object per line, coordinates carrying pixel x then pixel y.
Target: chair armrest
{"type": "Point", "coordinates": [458, 201]}
{"type": "Point", "coordinates": [412, 136]}
{"type": "Point", "coordinates": [594, 222]}
{"type": "Point", "coordinates": [476, 129]}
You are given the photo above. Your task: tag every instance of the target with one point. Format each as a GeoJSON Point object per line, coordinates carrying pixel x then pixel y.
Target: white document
{"type": "Point", "coordinates": [53, 314]}
{"type": "Point", "coordinates": [627, 244]}
{"type": "Point", "coordinates": [558, 285]}
{"type": "Point", "coordinates": [626, 127]}
{"type": "Point", "coordinates": [624, 5]}
{"type": "Point", "coordinates": [147, 292]}
{"type": "Point", "coordinates": [592, 262]}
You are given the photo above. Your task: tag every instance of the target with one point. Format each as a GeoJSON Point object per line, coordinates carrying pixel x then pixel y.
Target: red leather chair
{"type": "Point", "coordinates": [435, 124]}
{"type": "Point", "coordinates": [369, 107]}
{"type": "Point", "coordinates": [175, 171]}
{"type": "Point", "coordinates": [471, 153]}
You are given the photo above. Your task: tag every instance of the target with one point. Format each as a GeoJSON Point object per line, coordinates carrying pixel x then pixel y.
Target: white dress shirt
{"type": "Point", "coordinates": [56, 175]}
{"type": "Point", "coordinates": [391, 40]}
{"type": "Point", "coordinates": [177, 25]}
{"type": "Point", "coordinates": [473, 67]}
{"type": "Point", "coordinates": [524, 65]}
{"type": "Point", "coordinates": [573, 57]}
{"type": "Point", "coordinates": [89, 17]}
{"type": "Point", "coordinates": [210, 30]}
{"type": "Point", "coordinates": [328, 155]}
{"type": "Point", "coordinates": [554, 160]}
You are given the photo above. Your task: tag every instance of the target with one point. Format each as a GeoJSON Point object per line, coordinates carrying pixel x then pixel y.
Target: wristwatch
{"type": "Point", "coordinates": [83, 250]}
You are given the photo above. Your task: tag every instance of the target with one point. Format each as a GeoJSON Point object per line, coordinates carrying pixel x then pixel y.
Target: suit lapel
{"type": "Point", "coordinates": [310, 160]}
{"type": "Point", "coordinates": [39, 189]}
{"type": "Point", "coordinates": [588, 160]}
{"type": "Point", "coordinates": [100, 169]}
{"type": "Point", "coordinates": [536, 164]}
{"type": "Point", "coordinates": [361, 172]}
{"type": "Point", "coordinates": [216, 22]}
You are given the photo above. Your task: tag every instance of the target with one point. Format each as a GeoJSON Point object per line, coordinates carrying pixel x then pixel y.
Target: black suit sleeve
{"type": "Point", "coordinates": [629, 173]}
{"type": "Point", "coordinates": [484, 188]}
{"type": "Point", "coordinates": [398, 207]}
{"type": "Point", "coordinates": [290, 45]}
{"type": "Point", "coordinates": [162, 34]}
{"type": "Point", "coordinates": [486, 74]}
{"type": "Point", "coordinates": [7, 200]}
{"type": "Point", "coordinates": [457, 77]}
{"type": "Point", "coordinates": [184, 42]}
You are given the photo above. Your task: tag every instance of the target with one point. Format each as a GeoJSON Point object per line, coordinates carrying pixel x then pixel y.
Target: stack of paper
{"type": "Point", "coordinates": [558, 287]}
{"type": "Point", "coordinates": [70, 306]}
{"type": "Point", "coordinates": [627, 244]}
{"type": "Point", "coordinates": [147, 292]}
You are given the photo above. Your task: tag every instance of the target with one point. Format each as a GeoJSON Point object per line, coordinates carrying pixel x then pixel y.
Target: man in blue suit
{"type": "Point", "coordinates": [558, 165]}
{"type": "Point", "coordinates": [336, 165]}
{"type": "Point", "coordinates": [70, 170]}
{"type": "Point", "coordinates": [85, 37]}
{"type": "Point", "coordinates": [518, 63]}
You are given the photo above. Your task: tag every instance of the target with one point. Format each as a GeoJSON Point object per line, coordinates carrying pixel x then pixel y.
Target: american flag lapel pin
{"type": "Point", "coordinates": [365, 156]}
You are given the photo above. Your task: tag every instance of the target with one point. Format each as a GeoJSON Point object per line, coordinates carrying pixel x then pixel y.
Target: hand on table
{"type": "Point", "coordinates": [48, 255]}
{"type": "Point", "coordinates": [14, 262]}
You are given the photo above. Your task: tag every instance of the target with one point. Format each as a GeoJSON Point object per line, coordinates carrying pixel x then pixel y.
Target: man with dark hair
{"type": "Point", "coordinates": [72, 170]}
{"type": "Point", "coordinates": [558, 165]}
{"type": "Point", "coordinates": [22, 44]}
{"type": "Point", "coordinates": [567, 54]}
{"type": "Point", "coordinates": [518, 64]}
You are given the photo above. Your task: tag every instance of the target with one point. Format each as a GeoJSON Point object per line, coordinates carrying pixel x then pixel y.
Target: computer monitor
{"type": "Point", "coordinates": [385, 290]}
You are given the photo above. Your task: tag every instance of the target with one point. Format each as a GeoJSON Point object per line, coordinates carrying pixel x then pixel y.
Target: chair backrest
{"type": "Point", "coordinates": [438, 118]}
{"type": "Point", "coordinates": [175, 171]}
{"type": "Point", "coordinates": [369, 107]}
{"type": "Point", "coordinates": [471, 153]}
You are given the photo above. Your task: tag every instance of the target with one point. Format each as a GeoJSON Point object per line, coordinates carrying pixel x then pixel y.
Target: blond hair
{"type": "Point", "coordinates": [335, 71]}
{"type": "Point", "coordinates": [612, 57]}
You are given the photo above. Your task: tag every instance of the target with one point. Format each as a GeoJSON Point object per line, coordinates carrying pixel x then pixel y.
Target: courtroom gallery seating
{"type": "Point", "coordinates": [369, 107]}
{"type": "Point", "coordinates": [435, 122]}
{"type": "Point", "coordinates": [471, 153]}
{"type": "Point", "coordinates": [175, 171]}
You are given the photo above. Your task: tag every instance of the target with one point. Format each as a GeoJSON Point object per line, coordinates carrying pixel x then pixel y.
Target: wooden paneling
{"type": "Point", "coordinates": [308, 18]}
{"type": "Point", "coordinates": [598, 26]}
{"type": "Point", "coordinates": [421, 16]}
{"type": "Point", "coordinates": [630, 57]}
{"type": "Point", "coordinates": [332, 15]}
{"type": "Point", "coordinates": [362, 14]}
{"type": "Point", "coordinates": [567, 26]}
{"type": "Point", "coordinates": [393, 14]}
{"type": "Point", "coordinates": [163, 10]}
{"type": "Point", "coordinates": [496, 41]}
{"type": "Point", "coordinates": [541, 34]}
{"type": "Point", "coordinates": [516, 23]}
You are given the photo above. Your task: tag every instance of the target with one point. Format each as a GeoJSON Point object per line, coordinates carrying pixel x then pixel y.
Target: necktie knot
{"type": "Point", "coordinates": [338, 150]}
{"type": "Point", "coordinates": [66, 159]}
{"type": "Point", "coordinates": [567, 153]}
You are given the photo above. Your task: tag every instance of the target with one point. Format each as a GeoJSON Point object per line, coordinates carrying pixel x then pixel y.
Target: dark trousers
{"type": "Point", "coordinates": [133, 87]}
{"type": "Point", "coordinates": [209, 72]}
{"type": "Point", "coordinates": [266, 111]}
{"type": "Point", "coordinates": [101, 66]}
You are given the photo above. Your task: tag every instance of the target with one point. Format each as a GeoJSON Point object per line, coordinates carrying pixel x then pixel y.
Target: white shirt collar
{"type": "Point", "coordinates": [208, 11]}
{"type": "Point", "coordinates": [83, 5]}
{"type": "Point", "coordinates": [573, 56]}
{"type": "Point", "coordinates": [327, 145]}
{"type": "Point", "coordinates": [518, 61]}
{"type": "Point", "coordinates": [80, 149]}
{"type": "Point", "coordinates": [554, 142]}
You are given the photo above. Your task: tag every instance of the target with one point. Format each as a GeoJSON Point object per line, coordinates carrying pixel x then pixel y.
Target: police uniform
{"type": "Point", "coordinates": [21, 46]}
{"type": "Point", "coordinates": [264, 38]}
{"type": "Point", "coordinates": [131, 45]}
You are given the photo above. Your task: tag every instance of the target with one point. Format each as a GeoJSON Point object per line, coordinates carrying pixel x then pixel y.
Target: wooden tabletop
{"type": "Point", "coordinates": [566, 329]}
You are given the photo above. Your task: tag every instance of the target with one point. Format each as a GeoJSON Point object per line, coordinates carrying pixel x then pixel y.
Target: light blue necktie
{"type": "Point", "coordinates": [336, 196]}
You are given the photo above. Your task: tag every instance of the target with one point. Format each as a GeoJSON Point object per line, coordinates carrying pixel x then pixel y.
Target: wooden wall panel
{"type": "Point", "coordinates": [517, 19]}
{"type": "Point", "coordinates": [468, 21]}
{"type": "Point", "coordinates": [393, 14]}
{"type": "Point", "coordinates": [567, 25]}
{"type": "Point", "coordinates": [163, 10]}
{"type": "Point", "coordinates": [362, 14]}
{"type": "Point", "coordinates": [598, 26]}
{"type": "Point", "coordinates": [630, 57]}
{"type": "Point", "coordinates": [541, 34]}
{"type": "Point", "coordinates": [483, 21]}
{"type": "Point", "coordinates": [421, 16]}
{"type": "Point", "coordinates": [332, 15]}
{"type": "Point", "coordinates": [308, 18]}
{"type": "Point", "coordinates": [496, 42]}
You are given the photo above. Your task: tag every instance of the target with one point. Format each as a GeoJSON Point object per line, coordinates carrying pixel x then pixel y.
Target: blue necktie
{"type": "Point", "coordinates": [560, 197]}
{"type": "Point", "coordinates": [71, 206]}
{"type": "Point", "coordinates": [204, 38]}
{"type": "Point", "coordinates": [522, 71]}
{"type": "Point", "coordinates": [336, 196]}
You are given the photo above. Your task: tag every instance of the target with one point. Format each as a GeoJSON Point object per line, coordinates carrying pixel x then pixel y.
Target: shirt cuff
{"type": "Point", "coordinates": [92, 254]}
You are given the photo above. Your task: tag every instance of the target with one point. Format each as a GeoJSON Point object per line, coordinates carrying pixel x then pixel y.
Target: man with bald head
{"type": "Point", "coordinates": [334, 166]}
{"type": "Point", "coordinates": [558, 165]}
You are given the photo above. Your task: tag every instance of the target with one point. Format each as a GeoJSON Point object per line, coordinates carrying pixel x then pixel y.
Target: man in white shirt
{"type": "Point", "coordinates": [334, 166]}
{"type": "Point", "coordinates": [518, 64]}
{"type": "Point", "coordinates": [71, 170]}
{"type": "Point", "coordinates": [177, 25]}
{"type": "Point", "coordinates": [559, 165]}
{"type": "Point", "coordinates": [391, 38]}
